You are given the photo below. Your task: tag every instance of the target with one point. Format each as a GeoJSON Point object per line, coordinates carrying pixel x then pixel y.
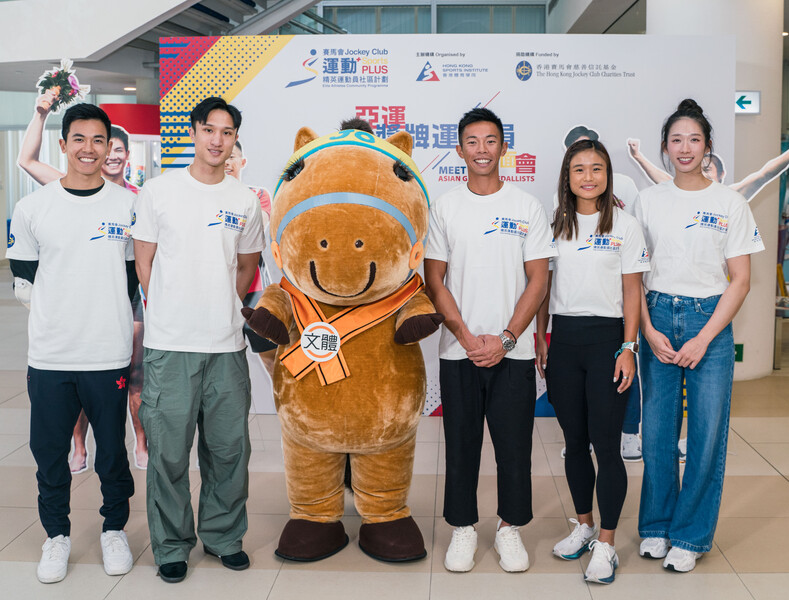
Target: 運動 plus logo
{"type": "Point", "coordinates": [603, 243]}
{"type": "Point", "coordinates": [307, 64]}
{"type": "Point", "coordinates": [509, 226]}
{"type": "Point", "coordinates": [113, 232]}
{"type": "Point", "coordinates": [230, 220]}
{"type": "Point", "coordinates": [428, 73]}
{"type": "Point", "coordinates": [708, 220]}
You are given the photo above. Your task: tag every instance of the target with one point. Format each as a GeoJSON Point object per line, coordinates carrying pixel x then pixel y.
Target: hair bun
{"type": "Point", "coordinates": [690, 105]}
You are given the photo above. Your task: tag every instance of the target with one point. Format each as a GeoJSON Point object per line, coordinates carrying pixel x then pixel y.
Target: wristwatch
{"type": "Point", "coordinates": [632, 346]}
{"type": "Point", "coordinates": [507, 342]}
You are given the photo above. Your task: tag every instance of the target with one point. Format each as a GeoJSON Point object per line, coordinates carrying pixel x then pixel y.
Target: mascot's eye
{"type": "Point", "coordinates": [324, 244]}
{"type": "Point", "coordinates": [293, 170]}
{"type": "Point", "coordinates": [359, 243]}
{"type": "Point", "coordinates": [402, 171]}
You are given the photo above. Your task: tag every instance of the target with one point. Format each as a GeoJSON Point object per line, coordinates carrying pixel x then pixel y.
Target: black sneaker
{"type": "Point", "coordinates": [173, 572]}
{"type": "Point", "coordinates": [238, 561]}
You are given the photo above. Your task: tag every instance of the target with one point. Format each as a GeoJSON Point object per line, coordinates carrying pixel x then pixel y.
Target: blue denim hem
{"type": "Point", "coordinates": [691, 547]}
{"type": "Point", "coordinates": [655, 534]}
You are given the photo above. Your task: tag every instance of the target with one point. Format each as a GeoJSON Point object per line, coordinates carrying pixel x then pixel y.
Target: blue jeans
{"type": "Point", "coordinates": [686, 516]}
{"type": "Point", "coordinates": [633, 408]}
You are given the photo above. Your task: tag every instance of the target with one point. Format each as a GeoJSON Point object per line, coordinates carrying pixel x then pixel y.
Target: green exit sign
{"type": "Point", "coordinates": [737, 352]}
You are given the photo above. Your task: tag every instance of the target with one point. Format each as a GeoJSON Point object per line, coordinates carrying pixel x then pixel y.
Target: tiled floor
{"type": "Point", "coordinates": [749, 559]}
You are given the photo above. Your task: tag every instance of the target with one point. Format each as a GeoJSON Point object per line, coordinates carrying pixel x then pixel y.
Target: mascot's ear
{"type": "Point", "coordinates": [304, 136]}
{"type": "Point", "coordinates": [403, 141]}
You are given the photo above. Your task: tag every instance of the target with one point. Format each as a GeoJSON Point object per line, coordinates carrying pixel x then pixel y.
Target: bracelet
{"type": "Point", "coordinates": [626, 346]}
{"type": "Point", "coordinates": [514, 337]}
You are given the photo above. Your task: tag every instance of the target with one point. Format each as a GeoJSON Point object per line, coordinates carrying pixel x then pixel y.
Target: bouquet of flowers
{"type": "Point", "coordinates": [60, 87]}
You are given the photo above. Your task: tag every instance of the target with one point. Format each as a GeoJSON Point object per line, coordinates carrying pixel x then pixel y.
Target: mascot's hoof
{"type": "Point", "coordinates": [307, 541]}
{"type": "Point", "coordinates": [392, 541]}
{"type": "Point", "coordinates": [417, 328]}
{"type": "Point", "coordinates": [266, 325]}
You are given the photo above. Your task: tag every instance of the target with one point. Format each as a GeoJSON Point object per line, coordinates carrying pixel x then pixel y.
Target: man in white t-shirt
{"type": "Point", "coordinates": [486, 269]}
{"type": "Point", "coordinates": [197, 237]}
{"type": "Point", "coordinates": [70, 253]}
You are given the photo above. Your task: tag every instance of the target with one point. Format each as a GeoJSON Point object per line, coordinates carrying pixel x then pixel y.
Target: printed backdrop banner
{"type": "Point", "coordinates": [541, 86]}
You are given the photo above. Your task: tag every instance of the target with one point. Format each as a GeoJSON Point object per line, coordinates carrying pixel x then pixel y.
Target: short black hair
{"type": "Point", "coordinates": [578, 132]}
{"type": "Point", "coordinates": [479, 114]}
{"type": "Point", "coordinates": [120, 133]}
{"type": "Point", "coordinates": [84, 112]}
{"type": "Point", "coordinates": [200, 112]}
{"type": "Point", "coordinates": [239, 146]}
{"type": "Point", "coordinates": [356, 123]}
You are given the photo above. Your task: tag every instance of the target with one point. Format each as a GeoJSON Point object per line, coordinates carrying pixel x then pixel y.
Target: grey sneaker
{"type": "Point", "coordinates": [631, 447]}
{"type": "Point", "coordinates": [682, 446]}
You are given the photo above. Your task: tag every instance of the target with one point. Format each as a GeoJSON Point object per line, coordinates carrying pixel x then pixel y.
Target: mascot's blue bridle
{"type": "Point", "coordinates": [352, 137]}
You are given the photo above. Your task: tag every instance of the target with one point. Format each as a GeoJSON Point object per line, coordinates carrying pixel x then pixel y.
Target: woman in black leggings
{"type": "Point", "coordinates": [594, 297]}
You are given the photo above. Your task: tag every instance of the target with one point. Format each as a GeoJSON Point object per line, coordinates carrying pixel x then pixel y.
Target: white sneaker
{"type": "Point", "coordinates": [631, 447]}
{"type": "Point", "coordinates": [654, 547]}
{"type": "Point", "coordinates": [53, 565]}
{"type": "Point", "coordinates": [682, 446]}
{"type": "Point", "coordinates": [513, 556]}
{"type": "Point", "coordinates": [118, 559]}
{"type": "Point", "coordinates": [681, 560]}
{"type": "Point", "coordinates": [575, 544]}
{"type": "Point", "coordinates": [460, 554]}
{"type": "Point", "coordinates": [603, 564]}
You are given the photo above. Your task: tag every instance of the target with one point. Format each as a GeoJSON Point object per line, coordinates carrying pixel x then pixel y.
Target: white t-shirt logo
{"type": "Point", "coordinates": [709, 220]}
{"type": "Point", "coordinates": [603, 243]}
{"type": "Point", "coordinates": [320, 341]}
{"type": "Point", "coordinates": [113, 232]}
{"type": "Point", "coordinates": [230, 220]}
{"type": "Point", "coordinates": [509, 226]}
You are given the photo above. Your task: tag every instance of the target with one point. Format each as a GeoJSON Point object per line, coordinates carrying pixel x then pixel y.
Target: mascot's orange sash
{"type": "Point", "coordinates": [348, 322]}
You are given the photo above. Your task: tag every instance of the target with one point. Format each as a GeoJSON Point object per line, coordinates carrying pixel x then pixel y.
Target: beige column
{"type": "Point", "coordinates": [757, 26]}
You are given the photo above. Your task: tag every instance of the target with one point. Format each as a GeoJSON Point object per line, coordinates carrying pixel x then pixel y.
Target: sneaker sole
{"type": "Point", "coordinates": [604, 580]}
{"type": "Point", "coordinates": [584, 549]}
{"type": "Point", "coordinates": [119, 570]}
{"type": "Point", "coordinates": [52, 579]}
{"type": "Point", "coordinates": [446, 566]}
{"type": "Point", "coordinates": [632, 459]}
{"type": "Point", "coordinates": [673, 567]}
{"type": "Point", "coordinates": [526, 568]}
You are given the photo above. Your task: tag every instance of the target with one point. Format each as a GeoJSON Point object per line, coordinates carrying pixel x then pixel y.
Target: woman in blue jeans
{"type": "Point", "coordinates": [697, 232]}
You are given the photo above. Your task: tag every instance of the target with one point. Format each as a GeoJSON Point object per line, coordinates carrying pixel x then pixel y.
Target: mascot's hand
{"type": "Point", "coordinates": [418, 327]}
{"type": "Point", "coordinates": [266, 325]}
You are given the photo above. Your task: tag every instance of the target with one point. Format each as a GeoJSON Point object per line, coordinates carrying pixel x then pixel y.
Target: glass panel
{"type": "Point", "coordinates": [356, 19]}
{"type": "Point", "coordinates": [529, 19]}
{"type": "Point", "coordinates": [502, 19]}
{"type": "Point", "coordinates": [403, 19]}
{"type": "Point", "coordinates": [463, 19]}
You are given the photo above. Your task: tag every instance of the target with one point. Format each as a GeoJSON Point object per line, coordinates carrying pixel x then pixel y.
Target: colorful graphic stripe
{"type": "Point", "coordinates": [197, 72]}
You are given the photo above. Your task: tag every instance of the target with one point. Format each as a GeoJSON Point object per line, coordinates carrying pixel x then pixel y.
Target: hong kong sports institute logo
{"type": "Point", "coordinates": [523, 70]}
{"type": "Point", "coordinates": [428, 73]}
{"type": "Point", "coordinates": [307, 65]}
